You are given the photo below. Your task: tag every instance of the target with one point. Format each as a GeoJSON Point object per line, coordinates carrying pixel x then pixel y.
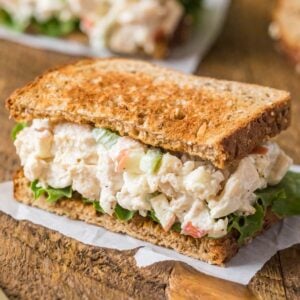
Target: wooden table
{"type": "Point", "coordinates": [63, 268]}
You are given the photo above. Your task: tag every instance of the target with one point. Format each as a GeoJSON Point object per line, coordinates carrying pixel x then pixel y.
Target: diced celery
{"type": "Point", "coordinates": [151, 161]}
{"type": "Point", "coordinates": [105, 137]}
{"type": "Point", "coordinates": [17, 129]}
{"type": "Point", "coordinates": [133, 159]}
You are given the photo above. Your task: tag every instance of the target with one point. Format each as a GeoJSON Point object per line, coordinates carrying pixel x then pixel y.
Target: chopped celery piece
{"type": "Point", "coordinates": [17, 129]}
{"type": "Point", "coordinates": [105, 137]}
{"type": "Point", "coordinates": [132, 162]}
{"type": "Point", "coordinates": [151, 161]}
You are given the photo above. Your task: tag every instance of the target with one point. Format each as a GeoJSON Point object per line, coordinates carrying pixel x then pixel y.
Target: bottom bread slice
{"type": "Point", "coordinates": [214, 251]}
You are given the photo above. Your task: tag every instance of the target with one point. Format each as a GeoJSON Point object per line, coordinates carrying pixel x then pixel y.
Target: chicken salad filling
{"type": "Point", "coordinates": [120, 175]}
{"type": "Point", "coordinates": [129, 26]}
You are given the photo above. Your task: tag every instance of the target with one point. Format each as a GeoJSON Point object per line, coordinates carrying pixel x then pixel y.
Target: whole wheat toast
{"type": "Point", "coordinates": [216, 120]}
{"type": "Point", "coordinates": [214, 251]}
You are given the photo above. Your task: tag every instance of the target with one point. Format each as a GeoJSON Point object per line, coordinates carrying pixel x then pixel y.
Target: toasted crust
{"type": "Point", "coordinates": [286, 28]}
{"type": "Point", "coordinates": [214, 251]}
{"type": "Point", "coordinates": [216, 120]}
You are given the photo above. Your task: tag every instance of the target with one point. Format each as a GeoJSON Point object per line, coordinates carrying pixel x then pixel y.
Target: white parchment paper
{"type": "Point", "coordinates": [241, 268]}
{"type": "Point", "coordinates": [184, 58]}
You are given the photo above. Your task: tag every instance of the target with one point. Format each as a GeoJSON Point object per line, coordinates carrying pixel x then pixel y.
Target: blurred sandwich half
{"type": "Point", "coordinates": [129, 27]}
{"type": "Point", "coordinates": [285, 28]}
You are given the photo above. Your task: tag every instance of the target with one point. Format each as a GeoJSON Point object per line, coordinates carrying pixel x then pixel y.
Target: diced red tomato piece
{"type": "Point", "coordinates": [193, 231]}
{"type": "Point", "coordinates": [121, 160]}
{"type": "Point", "coordinates": [87, 24]}
{"type": "Point", "coordinates": [260, 150]}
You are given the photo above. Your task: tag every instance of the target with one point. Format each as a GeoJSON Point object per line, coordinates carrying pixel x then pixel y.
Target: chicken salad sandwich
{"type": "Point", "coordinates": [123, 26]}
{"type": "Point", "coordinates": [180, 161]}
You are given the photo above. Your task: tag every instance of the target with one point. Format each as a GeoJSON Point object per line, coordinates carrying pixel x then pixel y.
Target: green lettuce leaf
{"type": "Point", "coordinates": [283, 198]}
{"type": "Point", "coordinates": [95, 204]}
{"type": "Point", "coordinates": [191, 7]}
{"type": "Point", "coordinates": [98, 207]}
{"type": "Point", "coordinates": [16, 130]}
{"type": "Point", "coordinates": [53, 194]}
{"type": "Point", "coordinates": [176, 227]}
{"type": "Point", "coordinates": [87, 201]}
{"type": "Point", "coordinates": [55, 27]}
{"type": "Point", "coordinates": [8, 21]}
{"type": "Point", "coordinates": [152, 216]}
{"type": "Point", "coordinates": [247, 226]}
{"type": "Point", "coordinates": [37, 190]}
{"type": "Point", "coordinates": [123, 214]}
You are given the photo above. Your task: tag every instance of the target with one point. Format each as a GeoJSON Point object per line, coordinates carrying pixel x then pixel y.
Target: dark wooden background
{"type": "Point", "coordinates": [243, 52]}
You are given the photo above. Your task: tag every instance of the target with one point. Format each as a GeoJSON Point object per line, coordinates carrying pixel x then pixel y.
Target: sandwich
{"type": "Point", "coordinates": [285, 29]}
{"type": "Point", "coordinates": [180, 161]}
{"type": "Point", "coordinates": [123, 26]}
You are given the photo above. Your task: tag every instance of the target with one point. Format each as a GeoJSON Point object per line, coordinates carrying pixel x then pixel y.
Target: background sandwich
{"type": "Point", "coordinates": [176, 160]}
{"type": "Point", "coordinates": [285, 29]}
{"type": "Point", "coordinates": [123, 26]}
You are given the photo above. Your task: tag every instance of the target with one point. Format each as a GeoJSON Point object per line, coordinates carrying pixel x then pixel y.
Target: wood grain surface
{"type": "Point", "coordinates": [53, 266]}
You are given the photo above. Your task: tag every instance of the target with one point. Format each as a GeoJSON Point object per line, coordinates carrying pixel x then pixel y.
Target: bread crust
{"type": "Point", "coordinates": [219, 121]}
{"type": "Point", "coordinates": [213, 251]}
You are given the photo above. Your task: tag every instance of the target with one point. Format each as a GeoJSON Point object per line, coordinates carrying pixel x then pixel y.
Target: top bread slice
{"type": "Point", "coordinates": [219, 121]}
{"type": "Point", "coordinates": [286, 27]}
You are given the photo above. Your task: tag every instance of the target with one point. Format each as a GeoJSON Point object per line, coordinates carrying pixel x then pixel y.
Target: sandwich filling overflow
{"type": "Point", "coordinates": [176, 190]}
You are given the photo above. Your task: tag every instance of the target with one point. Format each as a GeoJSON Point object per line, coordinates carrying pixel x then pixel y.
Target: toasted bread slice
{"type": "Point", "coordinates": [216, 120]}
{"type": "Point", "coordinates": [286, 28]}
{"type": "Point", "coordinates": [214, 251]}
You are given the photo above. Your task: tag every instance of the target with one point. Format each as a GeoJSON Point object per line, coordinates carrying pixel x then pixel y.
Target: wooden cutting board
{"type": "Point", "coordinates": [37, 263]}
